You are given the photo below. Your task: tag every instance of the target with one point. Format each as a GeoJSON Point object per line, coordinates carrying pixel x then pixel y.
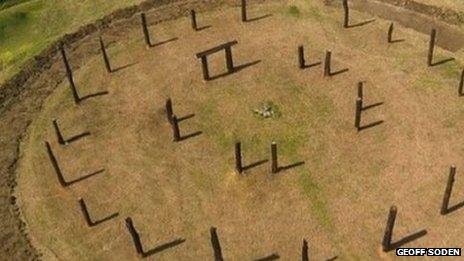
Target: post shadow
{"type": "Point", "coordinates": [270, 257]}
{"type": "Point", "coordinates": [328, 66]}
{"type": "Point", "coordinates": [235, 70]}
{"type": "Point", "coordinates": [387, 244]}
{"type": "Point", "coordinates": [216, 245]}
{"type": "Point", "coordinates": [445, 208]}
{"type": "Point", "coordinates": [88, 219]}
{"type": "Point", "coordinates": [254, 19]}
{"type": "Point", "coordinates": [332, 258]}
{"type": "Point", "coordinates": [59, 173]}
{"type": "Point", "coordinates": [390, 35]}
{"type": "Point", "coordinates": [62, 140]}
{"type": "Point", "coordinates": [138, 243]}
{"type": "Point", "coordinates": [361, 23]}
{"type": "Point", "coordinates": [371, 106]}
{"type": "Point", "coordinates": [430, 62]}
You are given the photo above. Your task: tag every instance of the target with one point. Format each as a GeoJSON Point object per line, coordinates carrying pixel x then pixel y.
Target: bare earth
{"type": "Point", "coordinates": [338, 200]}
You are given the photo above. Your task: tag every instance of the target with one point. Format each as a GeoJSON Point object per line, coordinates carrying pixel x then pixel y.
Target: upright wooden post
{"type": "Point", "coordinates": [229, 59]}
{"type": "Point", "coordinates": [238, 157]}
{"type": "Point", "coordinates": [55, 165]}
{"type": "Point", "coordinates": [357, 121]}
{"type": "Point", "coordinates": [387, 238]}
{"type": "Point", "coordinates": [175, 128]}
{"type": "Point", "coordinates": [461, 84]}
{"type": "Point", "coordinates": [216, 245]}
{"type": "Point", "coordinates": [105, 55]}
{"type": "Point", "coordinates": [301, 59]}
{"type": "Point", "coordinates": [135, 236]}
{"type": "Point", "coordinates": [346, 10]}
{"type": "Point", "coordinates": [327, 67]}
{"type": "Point", "coordinates": [85, 212]}
{"type": "Point", "coordinates": [146, 33]}
{"type": "Point", "coordinates": [390, 33]}
{"type": "Point", "coordinates": [204, 66]}
{"type": "Point", "coordinates": [433, 35]}
{"type": "Point", "coordinates": [304, 251]}
{"type": "Point", "coordinates": [360, 90]}
{"type": "Point", "coordinates": [169, 110]}
{"type": "Point", "coordinates": [448, 190]}
{"type": "Point", "coordinates": [274, 163]}
{"type": "Point", "coordinates": [69, 75]}
{"type": "Point", "coordinates": [193, 16]}
{"type": "Point", "coordinates": [61, 140]}
{"type": "Point", "coordinates": [244, 11]}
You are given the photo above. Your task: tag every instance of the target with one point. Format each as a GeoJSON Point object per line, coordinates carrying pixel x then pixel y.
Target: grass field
{"type": "Point", "coordinates": [27, 27]}
{"type": "Point", "coordinates": [338, 199]}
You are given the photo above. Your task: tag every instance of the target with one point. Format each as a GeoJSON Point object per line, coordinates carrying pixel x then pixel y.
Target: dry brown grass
{"type": "Point", "coordinates": [338, 200]}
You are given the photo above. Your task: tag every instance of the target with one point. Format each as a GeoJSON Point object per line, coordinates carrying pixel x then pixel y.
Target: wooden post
{"type": "Point", "coordinates": [433, 35]}
{"type": "Point", "coordinates": [448, 190]}
{"type": "Point", "coordinates": [216, 245]}
{"type": "Point", "coordinates": [357, 121]}
{"type": "Point", "coordinates": [55, 165]}
{"type": "Point", "coordinates": [461, 84]}
{"type": "Point", "coordinates": [229, 59]}
{"type": "Point", "coordinates": [61, 140]}
{"type": "Point", "coordinates": [387, 238]}
{"type": "Point", "coordinates": [390, 33]}
{"type": "Point", "coordinates": [304, 251]}
{"type": "Point", "coordinates": [175, 128]}
{"type": "Point", "coordinates": [105, 55]}
{"type": "Point", "coordinates": [274, 163]}
{"type": "Point", "coordinates": [327, 67]}
{"type": "Point", "coordinates": [360, 90]}
{"type": "Point", "coordinates": [346, 9]}
{"type": "Point", "coordinates": [135, 236]}
{"type": "Point", "coordinates": [69, 75]}
{"type": "Point", "coordinates": [238, 157]}
{"type": "Point", "coordinates": [85, 212]}
{"type": "Point", "coordinates": [204, 66]}
{"type": "Point", "coordinates": [301, 59]}
{"type": "Point", "coordinates": [193, 15]}
{"type": "Point", "coordinates": [169, 110]}
{"type": "Point", "coordinates": [244, 11]}
{"type": "Point", "coordinates": [146, 33]}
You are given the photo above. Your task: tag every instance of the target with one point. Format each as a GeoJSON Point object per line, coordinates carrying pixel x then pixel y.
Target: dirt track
{"type": "Point", "coordinates": [22, 98]}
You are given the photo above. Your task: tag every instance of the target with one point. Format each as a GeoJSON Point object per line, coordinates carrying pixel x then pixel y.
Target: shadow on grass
{"type": "Point", "coordinates": [271, 257]}
{"type": "Point", "coordinates": [258, 18]}
{"type": "Point", "coordinates": [255, 164]}
{"type": "Point", "coordinates": [163, 247]}
{"type": "Point", "coordinates": [236, 69]}
{"type": "Point", "coordinates": [361, 23]}
{"type": "Point", "coordinates": [406, 240]}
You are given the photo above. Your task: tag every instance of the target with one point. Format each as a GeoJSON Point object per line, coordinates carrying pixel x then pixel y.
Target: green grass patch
{"type": "Point", "coordinates": [316, 196]}
{"type": "Point", "coordinates": [293, 11]}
